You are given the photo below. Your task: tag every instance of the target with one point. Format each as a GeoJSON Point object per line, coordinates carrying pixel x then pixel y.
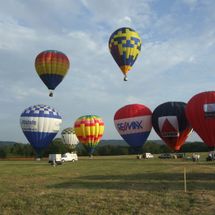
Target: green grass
{"type": "Point", "coordinates": [107, 185]}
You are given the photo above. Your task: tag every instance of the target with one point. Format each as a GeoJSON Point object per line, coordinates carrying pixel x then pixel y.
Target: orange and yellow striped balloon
{"type": "Point", "coordinates": [52, 66]}
{"type": "Point", "coordinates": [89, 130]}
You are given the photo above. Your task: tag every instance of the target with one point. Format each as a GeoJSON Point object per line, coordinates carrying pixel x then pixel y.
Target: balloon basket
{"type": "Point", "coordinates": [50, 94]}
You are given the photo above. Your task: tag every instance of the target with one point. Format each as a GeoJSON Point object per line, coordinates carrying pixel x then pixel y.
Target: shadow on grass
{"type": "Point", "coordinates": [144, 182]}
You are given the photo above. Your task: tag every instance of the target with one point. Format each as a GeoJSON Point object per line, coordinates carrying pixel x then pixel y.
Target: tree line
{"type": "Point", "coordinates": [58, 147]}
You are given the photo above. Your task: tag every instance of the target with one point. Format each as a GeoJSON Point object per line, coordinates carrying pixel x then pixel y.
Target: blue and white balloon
{"type": "Point", "coordinates": [40, 124]}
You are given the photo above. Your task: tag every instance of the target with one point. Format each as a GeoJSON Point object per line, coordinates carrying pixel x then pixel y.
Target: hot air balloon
{"type": "Point", "coordinates": [200, 111]}
{"type": "Point", "coordinates": [133, 122]}
{"type": "Point", "coordinates": [40, 124]}
{"type": "Point", "coordinates": [170, 123]}
{"type": "Point", "coordinates": [51, 66]}
{"type": "Point", "coordinates": [125, 46]}
{"type": "Point", "coordinates": [69, 137]}
{"type": "Point", "coordinates": [89, 130]}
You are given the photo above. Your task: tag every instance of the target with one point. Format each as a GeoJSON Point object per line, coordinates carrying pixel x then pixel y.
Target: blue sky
{"type": "Point", "coordinates": [176, 61]}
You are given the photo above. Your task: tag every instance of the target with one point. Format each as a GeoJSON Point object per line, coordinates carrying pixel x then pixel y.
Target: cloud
{"type": "Point", "coordinates": [191, 3]}
{"type": "Point", "coordinates": [125, 21]}
{"type": "Point", "coordinates": [43, 16]}
{"type": "Point", "coordinates": [14, 36]}
{"type": "Point", "coordinates": [114, 14]}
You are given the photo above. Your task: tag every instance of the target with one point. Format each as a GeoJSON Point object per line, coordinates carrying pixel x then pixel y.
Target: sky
{"type": "Point", "coordinates": [176, 61]}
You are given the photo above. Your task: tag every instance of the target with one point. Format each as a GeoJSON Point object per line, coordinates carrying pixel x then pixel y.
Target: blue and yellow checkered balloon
{"type": "Point", "coordinates": [125, 46]}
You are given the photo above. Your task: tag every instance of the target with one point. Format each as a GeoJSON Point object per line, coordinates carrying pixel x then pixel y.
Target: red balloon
{"type": "Point", "coordinates": [200, 112]}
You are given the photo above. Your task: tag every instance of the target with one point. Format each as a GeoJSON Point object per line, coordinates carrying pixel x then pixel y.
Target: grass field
{"type": "Point", "coordinates": [107, 185]}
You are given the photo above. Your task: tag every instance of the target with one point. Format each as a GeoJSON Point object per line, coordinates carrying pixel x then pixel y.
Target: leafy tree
{"type": "Point", "coordinates": [109, 147]}
{"type": "Point", "coordinates": [56, 147]}
{"type": "Point", "coordinates": [3, 152]}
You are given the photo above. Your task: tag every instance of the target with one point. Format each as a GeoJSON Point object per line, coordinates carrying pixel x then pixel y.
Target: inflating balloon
{"type": "Point", "coordinates": [200, 111]}
{"type": "Point", "coordinates": [89, 130]}
{"type": "Point", "coordinates": [170, 123]}
{"type": "Point", "coordinates": [40, 124]}
{"type": "Point", "coordinates": [133, 122]}
{"type": "Point", "coordinates": [69, 137]}
{"type": "Point", "coordinates": [125, 46]}
{"type": "Point", "coordinates": [51, 66]}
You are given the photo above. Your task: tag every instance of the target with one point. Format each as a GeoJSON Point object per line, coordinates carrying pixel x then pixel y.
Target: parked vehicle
{"type": "Point", "coordinates": [180, 155]}
{"type": "Point", "coordinates": [148, 155]}
{"type": "Point", "coordinates": [55, 159]}
{"type": "Point", "coordinates": [69, 157]}
{"type": "Point", "coordinates": [145, 156]}
{"type": "Point", "coordinates": [211, 156]}
{"type": "Point", "coordinates": [165, 156]}
{"type": "Point", "coordinates": [195, 157]}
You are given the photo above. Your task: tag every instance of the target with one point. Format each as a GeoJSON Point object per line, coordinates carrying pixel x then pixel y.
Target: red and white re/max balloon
{"type": "Point", "coordinates": [200, 111]}
{"type": "Point", "coordinates": [133, 122]}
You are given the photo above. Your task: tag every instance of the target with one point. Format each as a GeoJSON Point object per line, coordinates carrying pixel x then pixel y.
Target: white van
{"type": "Point", "coordinates": [148, 155]}
{"type": "Point", "coordinates": [69, 157]}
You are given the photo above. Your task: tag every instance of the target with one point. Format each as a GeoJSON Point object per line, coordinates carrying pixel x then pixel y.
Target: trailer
{"type": "Point", "coordinates": [55, 159]}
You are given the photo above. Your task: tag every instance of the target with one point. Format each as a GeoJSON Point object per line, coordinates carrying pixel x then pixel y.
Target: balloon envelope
{"type": "Point", "coordinates": [89, 130]}
{"type": "Point", "coordinates": [200, 112]}
{"type": "Point", "coordinates": [69, 137]}
{"type": "Point", "coordinates": [51, 66]}
{"type": "Point", "coordinates": [40, 124]}
{"type": "Point", "coordinates": [133, 122]}
{"type": "Point", "coordinates": [170, 123]}
{"type": "Point", "coordinates": [125, 46]}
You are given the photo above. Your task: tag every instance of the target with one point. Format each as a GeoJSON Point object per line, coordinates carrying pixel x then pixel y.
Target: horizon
{"type": "Point", "coordinates": [156, 140]}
